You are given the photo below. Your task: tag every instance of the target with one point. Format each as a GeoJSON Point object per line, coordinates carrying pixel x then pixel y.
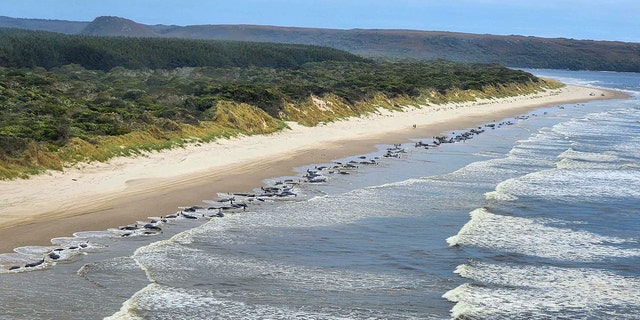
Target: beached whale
{"type": "Point", "coordinates": [317, 179]}
{"type": "Point", "coordinates": [218, 214]}
{"type": "Point", "coordinates": [153, 227]}
{"type": "Point", "coordinates": [188, 216]}
{"type": "Point", "coordinates": [34, 264]}
{"type": "Point", "coordinates": [369, 161]}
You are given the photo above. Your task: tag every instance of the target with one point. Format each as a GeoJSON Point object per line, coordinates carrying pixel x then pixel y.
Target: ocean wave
{"type": "Point", "coordinates": [162, 302]}
{"type": "Point", "coordinates": [568, 185]}
{"type": "Point", "coordinates": [532, 237]}
{"type": "Point", "coordinates": [182, 268]}
{"type": "Point", "coordinates": [403, 183]}
{"type": "Point", "coordinates": [499, 196]}
{"type": "Point", "coordinates": [572, 159]}
{"type": "Point", "coordinates": [609, 126]}
{"type": "Point", "coordinates": [541, 292]}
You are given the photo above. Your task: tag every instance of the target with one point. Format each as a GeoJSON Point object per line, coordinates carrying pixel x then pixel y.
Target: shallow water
{"type": "Point", "coordinates": [532, 220]}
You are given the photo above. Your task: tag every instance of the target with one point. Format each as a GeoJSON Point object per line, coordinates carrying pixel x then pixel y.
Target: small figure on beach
{"type": "Point", "coordinates": [414, 126]}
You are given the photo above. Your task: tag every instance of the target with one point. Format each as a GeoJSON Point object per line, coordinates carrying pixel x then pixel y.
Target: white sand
{"type": "Point", "coordinates": [91, 185]}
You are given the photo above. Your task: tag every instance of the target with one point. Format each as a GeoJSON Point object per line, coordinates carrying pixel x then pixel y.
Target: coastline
{"type": "Point", "coordinates": [98, 196]}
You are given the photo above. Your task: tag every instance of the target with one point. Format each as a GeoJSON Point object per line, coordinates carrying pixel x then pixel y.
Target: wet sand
{"type": "Point", "coordinates": [99, 196]}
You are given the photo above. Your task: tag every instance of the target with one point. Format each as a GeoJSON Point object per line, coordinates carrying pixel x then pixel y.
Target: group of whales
{"type": "Point", "coordinates": [234, 202]}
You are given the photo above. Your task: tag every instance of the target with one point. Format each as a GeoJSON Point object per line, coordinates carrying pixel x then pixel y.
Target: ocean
{"type": "Point", "coordinates": [532, 217]}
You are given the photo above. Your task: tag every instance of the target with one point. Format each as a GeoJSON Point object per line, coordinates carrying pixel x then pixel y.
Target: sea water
{"type": "Point", "coordinates": [535, 218]}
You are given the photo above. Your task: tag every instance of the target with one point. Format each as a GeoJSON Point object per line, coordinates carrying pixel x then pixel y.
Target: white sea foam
{"type": "Point", "coordinates": [157, 301]}
{"type": "Point", "coordinates": [497, 195]}
{"type": "Point", "coordinates": [629, 151]}
{"type": "Point", "coordinates": [85, 235]}
{"type": "Point", "coordinates": [402, 183]}
{"type": "Point", "coordinates": [570, 164]}
{"type": "Point", "coordinates": [171, 262]}
{"type": "Point", "coordinates": [159, 256]}
{"type": "Point", "coordinates": [580, 174]}
{"type": "Point", "coordinates": [479, 172]}
{"type": "Point", "coordinates": [572, 185]}
{"type": "Point", "coordinates": [581, 184]}
{"type": "Point", "coordinates": [612, 124]}
{"type": "Point", "coordinates": [318, 198]}
{"type": "Point", "coordinates": [541, 146]}
{"type": "Point", "coordinates": [34, 250]}
{"type": "Point", "coordinates": [534, 238]}
{"type": "Point", "coordinates": [572, 159]}
{"type": "Point", "coordinates": [328, 210]}
{"type": "Point", "coordinates": [542, 292]}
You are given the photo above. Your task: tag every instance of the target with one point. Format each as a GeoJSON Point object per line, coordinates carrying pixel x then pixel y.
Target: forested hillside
{"type": "Point", "coordinates": [512, 51]}
{"type": "Point", "coordinates": [65, 99]}
{"type": "Point", "coordinates": [29, 49]}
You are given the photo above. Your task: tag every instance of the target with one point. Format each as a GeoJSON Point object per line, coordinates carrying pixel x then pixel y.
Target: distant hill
{"type": "Point", "coordinates": [513, 51]}
{"type": "Point", "coordinates": [61, 26]}
{"type": "Point", "coordinates": [115, 26]}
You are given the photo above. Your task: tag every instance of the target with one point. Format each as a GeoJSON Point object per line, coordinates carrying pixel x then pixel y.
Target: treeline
{"type": "Point", "coordinates": [30, 49]}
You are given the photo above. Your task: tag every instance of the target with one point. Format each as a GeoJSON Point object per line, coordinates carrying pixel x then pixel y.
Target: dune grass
{"type": "Point", "coordinates": [233, 119]}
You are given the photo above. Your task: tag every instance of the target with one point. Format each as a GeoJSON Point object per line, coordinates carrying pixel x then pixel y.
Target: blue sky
{"type": "Point", "coordinates": [577, 19]}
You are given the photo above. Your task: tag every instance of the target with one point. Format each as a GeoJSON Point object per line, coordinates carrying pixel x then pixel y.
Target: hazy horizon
{"type": "Point", "coordinates": [596, 20]}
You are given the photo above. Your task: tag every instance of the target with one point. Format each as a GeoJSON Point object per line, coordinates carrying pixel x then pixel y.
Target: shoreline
{"type": "Point", "coordinates": [99, 196]}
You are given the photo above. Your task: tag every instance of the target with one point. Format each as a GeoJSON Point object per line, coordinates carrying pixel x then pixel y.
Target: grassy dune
{"type": "Point", "coordinates": [232, 119]}
{"type": "Point", "coordinates": [70, 99]}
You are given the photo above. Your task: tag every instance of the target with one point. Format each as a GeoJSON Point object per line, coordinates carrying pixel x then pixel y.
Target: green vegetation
{"type": "Point", "coordinates": [55, 117]}
{"type": "Point", "coordinates": [30, 49]}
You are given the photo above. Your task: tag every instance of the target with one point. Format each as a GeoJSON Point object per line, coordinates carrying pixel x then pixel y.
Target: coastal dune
{"type": "Point", "coordinates": [97, 196]}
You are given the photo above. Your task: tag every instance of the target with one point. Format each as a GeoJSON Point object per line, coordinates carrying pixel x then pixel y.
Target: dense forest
{"type": "Point", "coordinates": [59, 104]}
{"type": "Point", "coordinates": [29, 49]}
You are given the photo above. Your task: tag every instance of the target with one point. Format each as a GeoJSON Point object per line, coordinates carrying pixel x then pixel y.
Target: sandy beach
{"type": "Point", "coordinates": [97, 196]}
